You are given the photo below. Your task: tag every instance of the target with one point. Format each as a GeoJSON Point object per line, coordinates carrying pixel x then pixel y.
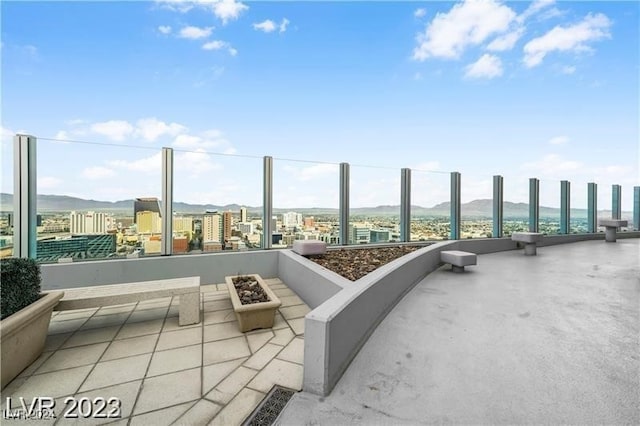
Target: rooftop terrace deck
{"type": "Point", "coordinates": [514, 340]}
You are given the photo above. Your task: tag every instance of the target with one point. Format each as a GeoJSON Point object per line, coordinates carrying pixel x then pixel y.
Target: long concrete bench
{"type": "Point", "coordinates": [458, 259]}
{"type": "Point", "coordinates": [529, 239]}
{"type": "Point", "coordinates": [611, 227]}
{"type": "Point", "coordinates": [188, 289]}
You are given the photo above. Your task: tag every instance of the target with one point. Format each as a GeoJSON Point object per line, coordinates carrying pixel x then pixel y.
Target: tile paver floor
{"type": "Point", "coordinates": [164, 374]}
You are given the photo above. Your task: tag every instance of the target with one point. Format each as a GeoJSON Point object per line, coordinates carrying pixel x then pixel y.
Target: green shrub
{"type": "Point", "coordinates": [20, 284]}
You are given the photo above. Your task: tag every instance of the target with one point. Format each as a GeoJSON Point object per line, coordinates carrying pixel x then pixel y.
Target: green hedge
{"type": "Point", "coordinates": [20, 284]}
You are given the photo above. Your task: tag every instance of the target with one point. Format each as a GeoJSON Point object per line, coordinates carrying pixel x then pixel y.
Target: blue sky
{"type": "Point", "coordinates": [524, 89]}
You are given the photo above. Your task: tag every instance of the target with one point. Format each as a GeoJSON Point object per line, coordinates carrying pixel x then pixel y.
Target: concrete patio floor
{"type": "Point", "coordinates": [208, 373]}
{"type": "Point", "coordinates": [550, 339]}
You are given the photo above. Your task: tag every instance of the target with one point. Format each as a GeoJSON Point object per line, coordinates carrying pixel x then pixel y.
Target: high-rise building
{"type": "Point", "coordinates": [88, 223]}
{"type": "Point", "coordinates": [274, 224]}
{"type": "Point", "coordinates": [182, 224]}
{"type": "Point", "coordinates": [227, 223]}
{"type": "Point", "coordinates": [246, 228]}
{"type": "Point", "coordinates": [291, 220]}
{"type": "Point", "coordinates": [243, 214]}
{"type": "Point", "coordinates": [379, 236]}
{"type": "Point", "coordinates": [149, 204]}
{"type": "Point", "coordinates": [148, 222]}
{"type": "Point", "coordinates": [309, 222]}
{"type": "Point", "coordinates": [212, 227]}
{"type": "Point", "coordinates": [359, 234]}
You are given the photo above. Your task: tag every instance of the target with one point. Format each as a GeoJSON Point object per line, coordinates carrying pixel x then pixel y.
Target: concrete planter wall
{"type": "Point", "coordinates": [23, 334]}
{"type": "Point", "coordinates": [255, 315]}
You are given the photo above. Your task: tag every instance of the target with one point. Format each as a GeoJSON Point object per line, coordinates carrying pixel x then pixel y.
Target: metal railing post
{"type": "Point", "coordinates": [455, 206]}
{"type": "Point", "coordinates": [405, 205]}
{"type": "Point", "coordinates": [498, 206]}
{"type": "Point", "coordinates": [592, 207]}
{"type": "Point", "coordinates": [565, 207]}
{"type": "Point", "coordinates": [344, 204]}
{"type": "Point", "coordinates": [267, 201]}
{"type": "Point", "coordinates": [167, 202]}
{"type": "Point", "coordinates": [24, 196]}
{"type": "Point", "coordinates": [616, 202]}
{"type": "Point", "coordinates": [636, 208]}
{"type": "Point", "coordinates": [534, 204]}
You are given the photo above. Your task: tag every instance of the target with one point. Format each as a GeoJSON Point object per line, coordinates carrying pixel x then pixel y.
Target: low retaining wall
{"type": "Point", "coordinates": [211, 267]}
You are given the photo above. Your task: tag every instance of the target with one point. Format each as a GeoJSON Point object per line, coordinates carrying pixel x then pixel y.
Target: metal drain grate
{"type": "Point", "coordinates": [267, 412]}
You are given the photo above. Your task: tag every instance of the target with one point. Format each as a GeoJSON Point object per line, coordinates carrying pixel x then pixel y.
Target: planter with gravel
{"type": "Point", "coordinates": [253, 301]}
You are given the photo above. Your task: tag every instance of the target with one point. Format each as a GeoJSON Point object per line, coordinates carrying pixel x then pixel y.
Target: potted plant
{"type": "Point", "coordinates": [253, 301]}
{"type": "Point", "coordinates": [26, 313]}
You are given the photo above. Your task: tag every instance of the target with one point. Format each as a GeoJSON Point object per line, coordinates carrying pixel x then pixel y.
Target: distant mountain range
{"type": "Point", "coordinates": [476, 208]}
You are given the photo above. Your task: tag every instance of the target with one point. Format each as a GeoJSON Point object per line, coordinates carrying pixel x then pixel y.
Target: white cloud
{"type": "Point", "coordinates": [265, 26]}
{"type": "Point", "coordinates": [466, 24]}
{"type": "Point", "coordinates": [48, 182]}
{"type": "Point", "coordinates": [283, 25]}
{"type": "Point", "coordinates": [573, 38]}
{"type": "Point", "coordinates": [116, 130]}
{"type": "Point", "coordinates": [318, 171]}
{"type": "Point", "coordinates": [232, 51]}
{"type": "Point", "coordinates": [97, 172]}
{"type": "Point", "coordinates": [568, 69]}
{"type": "Point", "coordinates": [152, 164]}
{"type": "Point", "coordinates": [535, 7]}
{"type": "Point", "coordinates": [506, 41]}
{"type": "Point", "coordinates": [227, 10]}
{"type": "Point", "coordinates": [206, 140]}
{"type": "Point", "coordinates": [195, 33]}
{"type": "Point", "coordinates": [214, 45]}
{"type": "Point", "coordinates": [552, 166]}
{"type": "Point", "coordinates": [488, 66]}
{"type": "Point", "coordinates": [420, 13]}
{"type": "Point", "coordinates": [559, 140]}
{"type": "Point", "coordinates": [164, 29]}
{"type": "Point", "coordinates": [62, 135]}
{"type": "Point", "coordinates": [195, 163]}
{"type": "Point", "coordinates": [6, 135]}
{"type": "Point", "coordinates": [151, 128]}
{"type": "Point", "coordinates": [428, 166]}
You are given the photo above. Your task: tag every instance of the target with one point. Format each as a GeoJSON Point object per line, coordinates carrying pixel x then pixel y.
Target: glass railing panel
{"type": "Point", "coordinates": [374, 214]}
{"type": "Point", "coordinates": [97, 201]}
{"type": "Point", "coordinates": [476, 210]}
{"type": "Point", "coordinates": [305, 202]}
{"type": "Point", "coordinates": [604, 202]}
{"type": "Point", "coordinates": [627, 208]}
{"type": "Point", "coordinates": [516, 205]}
{"type": "Point", "coordinates": [6, 202]}
{"type": "Point", "coordinates": [549, 207]}
{"type": "Point", "coordinates": [217, 202]}
{"type": "Point", "coordinates": [430, 211]}
{"type": "Point", "coordinates": [578, 210]}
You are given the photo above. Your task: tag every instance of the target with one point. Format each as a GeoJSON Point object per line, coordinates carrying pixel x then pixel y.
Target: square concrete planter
{"type": "Point", "coordinates": [255, 315]}
{"type": "Point", "coordinates": [23, 334]}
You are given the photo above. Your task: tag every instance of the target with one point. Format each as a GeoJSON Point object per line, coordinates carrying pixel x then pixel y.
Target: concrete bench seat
{"type": "Point", "coordinates": [530, 239]}
{"type": "Point", "coordinates": [188, 289]}
{"type": "Point", "coordinates": [309, 247]}
{"type": "Point", "coordinates": [611, 227]}
{"type": "Point", "coordinates": [458, 259]}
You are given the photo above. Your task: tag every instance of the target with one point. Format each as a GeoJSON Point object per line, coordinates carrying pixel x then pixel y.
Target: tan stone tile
{"type": "Point", "coordinates": [164, 417]}
{"type": "Point", "coordinates": [258, 360]}
{"type": "Point", "coordinates": [150, 314]}
{"type": "Point", "coordinates": [175, 360]}
{"type": "Point", "coordinates": [291, 312]}
{"type": "Point", "coordinates": [172, 324]}
{"type": "Point", "coordinates": [294, 352]}
{"type": "Point", "coordinates": [200, 414]}
{"type": "Point", "coordinates": [73, 357]}
{"type": "Point", "coordinates": [229, 387]}
{"type": "Point", "coordinates": [239, 408]}
{"type": "Point", "coordinates": [117, 371]}
{"type": "Point", "coordinates": [175, 388]}
{"type": "Point", "coordinates": [130, 347]}
{"type": "Point", "coordinates": [54, 341]}
{"type": "Point", "coordinates": [55, 384]}
{"type": "Point", "coordinates": [116, 309]}
{"type": "Point", "coordinates": [154, 303]}
{"type": "Point", "coordinates": [258, 339]}
{"type": "Point", "coordinates": [136, 329]}
{"type": "Point", "coordinates": [105, 321]}
{"type": "Point", "coordinates": [74, 314]}
{"type": "Point", "coordinates": [208, 288]}
{"type": "Point", "coordinates": [282, 337]}
{"type": "Point", "coordinates": [221, 331]}
{"type": "Point", "coordinates": [272, 281]}
{"type": "Point", "coordinates": [95, 335]}
{"type": "Point", "coordinates": [225, 350]}
{"type": "Point", "coordinates": [59, 327]}
{"type": "Point", "coordinates": [283, 292]}
{"type": "Point", "coordinates": [178, 338]}
{"type": "Point", "coordinates": [223, 287]}
{"type": "Point", "coordinates": [297, 325]}
{"type": "Point", "coordinates": [291, 301]}
{"type": "Point", "coordinates": [216, 317]}
{"type": "Point", "coordinates": [278, 372]}
{"type": "Point", "coordinates": [215, 373]}
{"type": "Point", "coordinates": [35, 364]}
{"type": "Point", "coordinates": [217, 305]}
{"type": "Point", "coordinates": [279, 322]}
{"type": "Point", "coordinates": [126, 394]}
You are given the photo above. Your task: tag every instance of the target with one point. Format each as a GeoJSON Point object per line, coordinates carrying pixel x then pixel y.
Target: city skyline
{"type": "Point", "coordinates": [522, 89]}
